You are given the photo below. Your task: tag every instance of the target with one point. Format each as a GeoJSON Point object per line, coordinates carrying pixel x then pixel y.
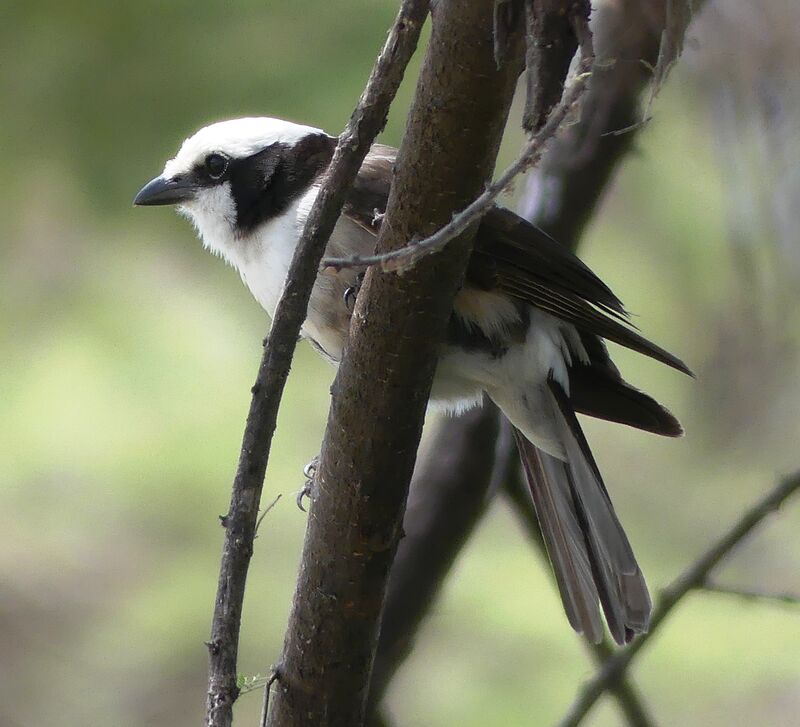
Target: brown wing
{"type": "Point", "coordinates": [514, 257]}
{"type": "Point", "coordinates": [369, 194]}
{"type": "Point", "coordinates": [518, 258]}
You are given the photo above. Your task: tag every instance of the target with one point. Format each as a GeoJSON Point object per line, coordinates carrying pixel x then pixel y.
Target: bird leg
{"type": "Point", "coordinates": [309, 472]}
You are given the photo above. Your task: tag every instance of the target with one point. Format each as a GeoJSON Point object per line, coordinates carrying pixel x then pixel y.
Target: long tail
{"type": "Point", "coordinates": [589, 551]}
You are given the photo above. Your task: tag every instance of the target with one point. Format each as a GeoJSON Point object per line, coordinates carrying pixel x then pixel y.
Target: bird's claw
{"type": "Point", "coordinates": [305, 491]}
{"type": "Point", "coordinates": [309, 472]}
{"type": "Point", "coordinates": [349, 298]}
{"type": "Point", "coordinates": [351, 293]}
{"type": "Point", "coordinates": [311, 468]}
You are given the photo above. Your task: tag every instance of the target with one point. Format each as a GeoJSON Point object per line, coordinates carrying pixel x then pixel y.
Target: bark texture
{"type": "Point", "coordinates": [565, 190]}
{"type": "Point", "coordinates": [450, 490]}
{"type": "Point", "coordinates": [381, 390]}
{"type": "Point", "coordinates": [551, 42]}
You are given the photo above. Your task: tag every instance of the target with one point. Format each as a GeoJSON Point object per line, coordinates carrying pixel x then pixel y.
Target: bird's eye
{"type": "Point", "coordinates": [216, 165]}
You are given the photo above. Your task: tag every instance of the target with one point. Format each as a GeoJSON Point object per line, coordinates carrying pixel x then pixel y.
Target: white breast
{"type": "Point", "coordinates": [263, 258]}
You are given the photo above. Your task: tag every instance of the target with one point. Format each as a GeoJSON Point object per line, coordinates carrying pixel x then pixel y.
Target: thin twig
{"type": "Point", "coordinates": [240, 523]}
{"type": "Point", "coordinates": [629, 699]}
{"type": "Point", "coordinates": [751, 594]}
{"type": "Point", "coordinates": [678, 14]}
{"type": "Point", "coordinates": [692, 578]}
{"type": "Point", "coordinates": [267, 688]}
{"type": "Point", "coordinates": [629, 128]}
{"type": "Point", "coordinates": [264, 514]}
{"type": "Point", "coordinates": [407, 256]}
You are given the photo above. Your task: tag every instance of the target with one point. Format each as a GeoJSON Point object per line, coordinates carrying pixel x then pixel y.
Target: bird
{"type": "Point", "coordinates": [528, 330]}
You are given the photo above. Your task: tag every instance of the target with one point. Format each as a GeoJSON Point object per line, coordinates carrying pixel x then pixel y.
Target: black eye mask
{"type": "Point", "coordinates": [265, 183]}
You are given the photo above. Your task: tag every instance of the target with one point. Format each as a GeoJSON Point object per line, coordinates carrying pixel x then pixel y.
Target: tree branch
{"type": "Point", "coordinates": [449, 493]}
{"type": "Point", "coordinates": [550, 44]}
{"type": "Point", "coordinates": [691, 579]}
{"type": "Point", "coordinates": [381, 390]}
{"type": "Point", "coordinates": [400, 260]}
{"type": "Point", "coordinates": [580, 161]}
{"type": "Point", "coordinates": [751, 594]}
{"type": "Point", "coordinates": [240, 522]}
{"type": "Point", "coordinates": [564, 191]}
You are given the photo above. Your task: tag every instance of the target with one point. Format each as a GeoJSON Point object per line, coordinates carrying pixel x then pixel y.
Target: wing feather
{"type": "Point", "coordinates": [517, 258]}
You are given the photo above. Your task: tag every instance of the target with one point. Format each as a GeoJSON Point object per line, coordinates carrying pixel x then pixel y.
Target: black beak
{"type": "Point", "coordinates": [165, 191]}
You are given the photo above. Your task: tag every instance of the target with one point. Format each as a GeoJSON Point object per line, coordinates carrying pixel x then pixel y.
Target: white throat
{"type": "Point", "coordinates": [261, 257]}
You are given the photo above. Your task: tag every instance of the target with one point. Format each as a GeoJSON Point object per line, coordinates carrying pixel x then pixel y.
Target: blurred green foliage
{"type": "Point", "coordinates": [128, 354]}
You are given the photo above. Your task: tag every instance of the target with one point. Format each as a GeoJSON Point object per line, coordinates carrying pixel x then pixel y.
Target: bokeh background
{"type": "Point", "coordinates": [128, 353]}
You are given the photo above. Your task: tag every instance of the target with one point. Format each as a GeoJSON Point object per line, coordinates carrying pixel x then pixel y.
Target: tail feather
{"type": "Point", "coordinates": [602, 397]}
{"type": "Point", "coordinates": [589, 551]}
{"type": "Point", "coordinates": [588, 485]}
{"type": "Point", "coordinates": [563, 539]}
{"type": "Point", "coordinates": [596, 388]}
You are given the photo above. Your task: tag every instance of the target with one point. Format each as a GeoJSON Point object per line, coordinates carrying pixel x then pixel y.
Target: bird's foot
{"type": "Point", "coordinates": [309, 472]}
{"type": "Point", "coordinates": [351, 293]}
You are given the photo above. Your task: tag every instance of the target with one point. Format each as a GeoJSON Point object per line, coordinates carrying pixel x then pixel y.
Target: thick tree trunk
{"type": "Point", "coordinates": [451, 488]}
{"type": "Point", "coordinates": [381, 391]}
